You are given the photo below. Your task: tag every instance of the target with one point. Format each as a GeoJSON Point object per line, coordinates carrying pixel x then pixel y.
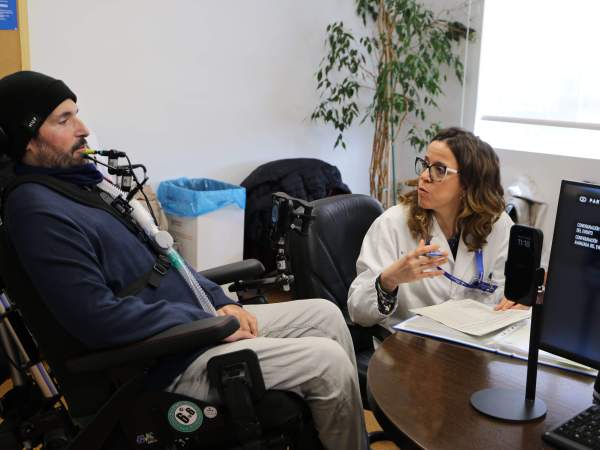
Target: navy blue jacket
{"type": "Point", "coordinates": [78, 257]}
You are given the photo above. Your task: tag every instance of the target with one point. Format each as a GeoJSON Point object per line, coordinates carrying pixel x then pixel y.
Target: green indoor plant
{"type": "Point", "coordinates": [401, 61]}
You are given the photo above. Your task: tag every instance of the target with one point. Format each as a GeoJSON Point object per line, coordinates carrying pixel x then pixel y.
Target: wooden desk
{"type": "Point", "coordinates": [419, 391]}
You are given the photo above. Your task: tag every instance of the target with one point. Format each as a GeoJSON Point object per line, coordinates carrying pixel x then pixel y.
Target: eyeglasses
{"type": "Point", "coordinates": [437, 172]}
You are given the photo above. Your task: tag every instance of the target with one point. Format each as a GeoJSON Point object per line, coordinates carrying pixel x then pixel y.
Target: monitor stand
{"type": "Point", "coordinates": [510, 404]}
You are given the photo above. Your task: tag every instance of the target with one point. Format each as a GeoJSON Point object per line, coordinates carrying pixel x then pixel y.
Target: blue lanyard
{"type": "Point", "coordinates": [478, 283]}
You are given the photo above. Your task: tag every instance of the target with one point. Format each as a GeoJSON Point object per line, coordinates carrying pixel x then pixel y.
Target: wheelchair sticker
{"type": "Point", "coordinates": [185, 416]}
{"type": "Point", "coordinates": [146, 439]}
{"type": "Point", "coordinates": [210, 412]}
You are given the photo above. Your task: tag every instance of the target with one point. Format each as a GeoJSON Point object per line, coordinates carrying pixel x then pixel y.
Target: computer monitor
{"type": "Point", "coordinates": [571, 312]}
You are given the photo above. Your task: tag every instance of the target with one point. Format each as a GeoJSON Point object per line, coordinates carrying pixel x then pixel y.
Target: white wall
{"type": "Point", "coordinates": [198, 88]}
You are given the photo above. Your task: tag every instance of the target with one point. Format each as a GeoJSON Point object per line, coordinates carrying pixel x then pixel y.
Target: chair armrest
{"type": "Point", "coordinates": [181, 338]}
{"type": "Point", "coordinates": [241, 270]}
{"type": "Point", "coordinates": [378, 332]}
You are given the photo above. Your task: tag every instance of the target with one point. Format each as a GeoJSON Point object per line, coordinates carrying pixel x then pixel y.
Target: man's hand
{"type": "Point", "coordinates": [506, 304]}
{"type": "Point", "coordinates": [238, 336]}
{"type": "Point", "coordinates": [247, 321]}
{"type": "Point", "coordinates": [414, 266]}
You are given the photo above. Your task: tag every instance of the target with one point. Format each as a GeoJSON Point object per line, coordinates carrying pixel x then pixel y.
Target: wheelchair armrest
{"type": "Point", "coordinates": [241, 270]}
{"type": "Point", "coordinates": [178, 339]}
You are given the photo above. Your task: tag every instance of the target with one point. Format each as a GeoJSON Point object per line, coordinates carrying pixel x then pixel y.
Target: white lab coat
{"type": "Point", "coordinates": [389, 239]}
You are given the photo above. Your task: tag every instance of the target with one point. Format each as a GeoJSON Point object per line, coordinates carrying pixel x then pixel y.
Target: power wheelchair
{"type": "Point", "coordinates": [101, 400]}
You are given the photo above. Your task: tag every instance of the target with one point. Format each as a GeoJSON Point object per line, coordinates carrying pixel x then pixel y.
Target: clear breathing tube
{"type": "Point", "coordinates": [164, 241]}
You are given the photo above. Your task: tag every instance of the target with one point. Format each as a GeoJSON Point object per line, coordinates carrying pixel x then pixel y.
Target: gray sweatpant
{"type": "Point", "coordinates": [304, 347]}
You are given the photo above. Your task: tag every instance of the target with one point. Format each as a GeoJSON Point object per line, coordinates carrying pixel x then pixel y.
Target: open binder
{"type": "Point", "coordinates": [510, 341]}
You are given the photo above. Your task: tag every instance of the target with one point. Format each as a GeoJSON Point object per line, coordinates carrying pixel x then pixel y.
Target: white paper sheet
{"type": "Point", "coordinates": [472, 317]}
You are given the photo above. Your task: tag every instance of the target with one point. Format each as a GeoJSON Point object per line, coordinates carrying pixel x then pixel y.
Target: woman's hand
{"type": "Point", "coordinates": [247, 321]}
{"type": "Point", "coordinates": [506, 304]}
{"type": "Point", "coordinates": [414, 266]}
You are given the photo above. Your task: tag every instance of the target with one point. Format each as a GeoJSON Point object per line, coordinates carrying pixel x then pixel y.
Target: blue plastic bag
{"type": "Point", "coordinates": [193, 197]}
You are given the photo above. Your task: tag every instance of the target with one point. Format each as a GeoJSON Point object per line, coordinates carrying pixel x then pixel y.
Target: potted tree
{"type": "Point", "coordinates": [401, 65]}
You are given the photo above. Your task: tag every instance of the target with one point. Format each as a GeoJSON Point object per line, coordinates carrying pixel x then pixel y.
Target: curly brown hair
{"type": "Point", "coordinates": [483, 201]}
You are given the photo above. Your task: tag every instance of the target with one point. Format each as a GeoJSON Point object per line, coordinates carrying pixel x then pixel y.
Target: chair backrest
{"type": "Point", "coordinates": [84, 394]}
{"type": "Point", "coordinates": [324, 261]}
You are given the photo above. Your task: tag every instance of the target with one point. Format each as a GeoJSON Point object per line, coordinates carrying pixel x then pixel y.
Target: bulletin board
{"type": "Point", "coordinates": [14, 36]}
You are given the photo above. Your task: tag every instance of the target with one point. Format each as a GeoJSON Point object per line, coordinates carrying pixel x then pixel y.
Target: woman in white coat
{"type": "Point", "coordinates": [448, 239]}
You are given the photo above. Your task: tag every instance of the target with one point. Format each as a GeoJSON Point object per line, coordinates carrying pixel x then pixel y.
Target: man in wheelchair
{"type": "Point", "coordinates": [110, 279]}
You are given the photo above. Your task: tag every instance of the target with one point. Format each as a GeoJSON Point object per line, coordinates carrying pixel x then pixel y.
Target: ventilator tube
{"type": "Point", "coordinates": [164, 241]}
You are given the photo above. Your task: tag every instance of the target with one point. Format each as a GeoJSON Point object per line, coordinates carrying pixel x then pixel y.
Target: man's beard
{"type": "Point", "coordinates": [50, 157]}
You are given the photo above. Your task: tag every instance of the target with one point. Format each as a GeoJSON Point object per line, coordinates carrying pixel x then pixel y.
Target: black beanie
{"type": "Point", "coordinates": [26, 100]}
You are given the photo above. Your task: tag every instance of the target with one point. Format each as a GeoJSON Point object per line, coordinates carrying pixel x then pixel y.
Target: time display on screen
{"type": "Point", "coordinates": [523, 241]}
